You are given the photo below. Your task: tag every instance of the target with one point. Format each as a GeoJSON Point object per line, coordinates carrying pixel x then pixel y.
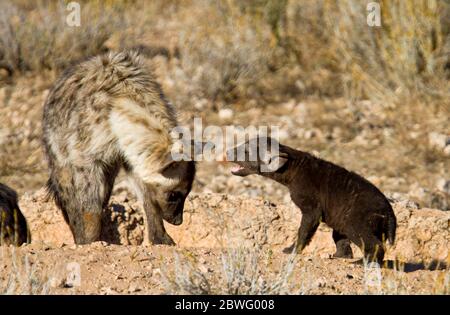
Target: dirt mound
{"type": "Point", "coordinates": [218, 220]}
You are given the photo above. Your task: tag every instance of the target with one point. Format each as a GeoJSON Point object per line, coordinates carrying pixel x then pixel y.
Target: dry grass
{"type": "Point", "coordinates": [405, 57]}
{"type": "Point", "coordinates": [23, 276]}
{"type": "Point", "coordinates": [242, 272]}
{"type": "Point", "coordinates": [231, 50]}
{"type": "Point", "coordinates": [223, 57]}
{"type": "Point", "coordinates": [38, 38]}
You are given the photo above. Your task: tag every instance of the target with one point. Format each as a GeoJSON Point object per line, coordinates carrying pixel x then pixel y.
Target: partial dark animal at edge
{"type": "Point", "coordinates": [13, 226]}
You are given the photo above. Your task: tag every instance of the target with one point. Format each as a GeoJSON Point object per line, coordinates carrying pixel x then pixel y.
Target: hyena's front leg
{"type": "Point", "coordinates": [155, 225]}
{"type": "Point", "coordinates": [140, 142]}
{"type": "Point", "coordinates": [156, 232]}
{"type": "Point", "coordinates": [308, 226]}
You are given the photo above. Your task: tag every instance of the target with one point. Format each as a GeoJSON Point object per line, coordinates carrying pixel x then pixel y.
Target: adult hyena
{"type": "Point", "coordinates": [102, 115]}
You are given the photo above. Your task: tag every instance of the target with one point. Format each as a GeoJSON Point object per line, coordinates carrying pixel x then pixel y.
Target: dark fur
{"type": "Point", "coordinates": [13, 226]}
{"type": "Point", "coordinates": [353, 207]}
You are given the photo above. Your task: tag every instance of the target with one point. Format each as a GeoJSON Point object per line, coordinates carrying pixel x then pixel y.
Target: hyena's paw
{"type": "Point", "coordinates": [343, 249]}
{"type": "Point", "coordinates": [290, 249]}
{"type": "Point", "coordinates": [164, 239]}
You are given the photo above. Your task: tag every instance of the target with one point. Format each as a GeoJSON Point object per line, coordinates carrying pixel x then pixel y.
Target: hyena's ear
{"type": "Point", "coordinates": [167, 165]}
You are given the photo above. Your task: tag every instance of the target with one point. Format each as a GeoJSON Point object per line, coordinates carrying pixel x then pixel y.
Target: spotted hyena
{"type": "Point", "coordinates": [102, 115]}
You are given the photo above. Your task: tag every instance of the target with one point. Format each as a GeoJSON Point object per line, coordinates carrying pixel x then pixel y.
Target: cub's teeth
{"type": "Point", "coordinates": [236, 168]}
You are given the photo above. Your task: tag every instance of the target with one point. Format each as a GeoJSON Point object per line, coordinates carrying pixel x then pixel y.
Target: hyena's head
{"type": "Point", "coordinates": [259, 155]}
{"type": "Point", "coordinates": [174, 182]}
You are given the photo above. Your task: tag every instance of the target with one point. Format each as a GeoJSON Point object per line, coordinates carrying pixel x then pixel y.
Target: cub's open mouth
{"type": "Point", "coordinates": [239, 170]}
{"type": "Point", "coordinates": [236, 168]}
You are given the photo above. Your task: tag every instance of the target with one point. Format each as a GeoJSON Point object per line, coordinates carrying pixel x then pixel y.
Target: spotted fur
{"type": "Point", "coordinates": [102, 115]}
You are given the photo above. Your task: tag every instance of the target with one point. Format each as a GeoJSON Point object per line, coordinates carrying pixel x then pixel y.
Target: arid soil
{"type": "Point", "coordinates": [235, 228]}
{"type": "Point", "coordinates": [221, 234]}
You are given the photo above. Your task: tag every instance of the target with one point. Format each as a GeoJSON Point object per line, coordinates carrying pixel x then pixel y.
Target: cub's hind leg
{"type": "Point", "coordinates": [343, 248]}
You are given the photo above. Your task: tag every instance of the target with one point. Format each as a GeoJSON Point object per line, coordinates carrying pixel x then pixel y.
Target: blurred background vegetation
{"type": "Point", "coordinates": [373, 99]}
{"type": "Point", "coordinates": [231, 50]}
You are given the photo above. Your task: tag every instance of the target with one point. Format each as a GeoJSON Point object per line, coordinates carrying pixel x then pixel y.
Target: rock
{"type": "Point", "coordinates": [418, 192]}
{"type": "Point", "coordinates": [133, 288]}
{"type": "Point", "coordinates": [283, 135]}
{"type": "Point", "coordinates": [443, 185]}
{"type": "Point", "coordinates": [289, 106]}
{"type": "Point", "coordinates": [447, 150]}
{"type": "Point", "coordinates": [201, 104]}
{"type": "Point", "coordinates": [219, 220]}
{"type": "Point", "coordinates": [438, 140]}
{"type": "Point", "coordinates": [402, 199]}
{"type": "Point", "coordinates": [309, 134]}
{"type": "Point", "coordinates": [226, 114]}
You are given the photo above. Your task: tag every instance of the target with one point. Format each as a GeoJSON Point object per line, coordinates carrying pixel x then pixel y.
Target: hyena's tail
{"type": "Point", "coordinates": [390, 226]}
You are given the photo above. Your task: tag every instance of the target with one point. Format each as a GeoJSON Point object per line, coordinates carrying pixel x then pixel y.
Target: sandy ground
{"type": "Point", "coordinates": [227, 244]}
{"type": "Point", "coordinates": [235, 228]}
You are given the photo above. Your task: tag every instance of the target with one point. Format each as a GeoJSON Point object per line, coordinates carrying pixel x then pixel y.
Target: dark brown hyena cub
{"type": "Point", "coordinates": [13, 226]}
{"type": "Point", "coordinates": [353, 207]}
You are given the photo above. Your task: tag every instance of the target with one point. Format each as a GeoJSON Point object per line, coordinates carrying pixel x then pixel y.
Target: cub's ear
{"type": "Point", "coordinates": [273, 161]}
{"type": "Point", "coordinates": [277, 162]}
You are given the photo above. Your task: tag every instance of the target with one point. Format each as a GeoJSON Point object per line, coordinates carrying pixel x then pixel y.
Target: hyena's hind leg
{"type": "Point", "coordinates": [82, 193]}
{"type": "Point", "coordinates": [343, 248]}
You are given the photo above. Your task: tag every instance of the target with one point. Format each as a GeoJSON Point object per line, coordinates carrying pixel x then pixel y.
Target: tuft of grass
{"type": "Point", "coordinates": [242, 272]}
{"type": "Point", "coordinates": [23, 276]}
{"type": "Point", "coordinates": [225, 55]}
{"type": "Point", "coordinates": [407, 56]}
{"type": "Point", "coordinates": [36, 37]}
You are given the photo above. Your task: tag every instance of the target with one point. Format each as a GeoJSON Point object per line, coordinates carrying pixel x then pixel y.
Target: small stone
{"type": "Point", "coordinates": [133, 288]}
{"type": "Point", "coordinates": [201, 104]}
{"type": "Point", "coordinates": [423, 235]}
{"type": "Point", "coordinates": [443, 185]}
{"type": "Point", "coordinates": [225, 114]}
{"type": "Point", "coordinates": [56, 282]}
{"type": "Point", "coordinates": [320, 283]}
{"type": "Point", "coordinates": [283, 135]}
{"type": "Point", "coordinates": [438, 140]}
{"type": "Point", "coordinates": [156, 272]}
{"type": "Point", "coordinates": [203, 269]}
{"type": "Point", "coordinates": [447, 150]}
{"type": "Point", "coordinates": [309, 134]}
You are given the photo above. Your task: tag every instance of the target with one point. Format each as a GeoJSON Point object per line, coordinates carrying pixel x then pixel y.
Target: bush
{"type": "Point", "coordinates": [223, 56]}
{"type": "Point", "coordinates": [407, 56]}
{"type": "Point", "coordinates": [37, 37]}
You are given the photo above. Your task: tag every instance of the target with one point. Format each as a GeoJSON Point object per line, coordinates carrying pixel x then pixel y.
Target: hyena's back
{"type": "Point", "coordinates": [102, 114]}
